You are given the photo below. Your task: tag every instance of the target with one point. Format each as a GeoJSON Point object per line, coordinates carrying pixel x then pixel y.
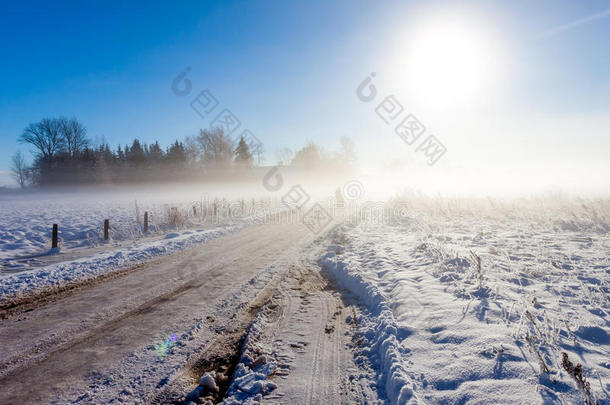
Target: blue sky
{"type": "Point", "coordinates": [288, 71]}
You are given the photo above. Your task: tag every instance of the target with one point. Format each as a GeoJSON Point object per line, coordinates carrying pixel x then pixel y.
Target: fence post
{"type": "Point", "coordinates": [54, 241]}
{"type": "Point", "coordinates": [106, 226]}
{"type": "Point", "coordinates": [145, 221]}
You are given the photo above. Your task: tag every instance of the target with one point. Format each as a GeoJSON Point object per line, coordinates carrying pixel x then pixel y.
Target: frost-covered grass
{"type": "Point", "coordinates": [479, 300]}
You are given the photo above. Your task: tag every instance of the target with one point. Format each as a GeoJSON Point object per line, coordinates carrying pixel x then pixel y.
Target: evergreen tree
{"type": "Point", "coordinates": [120, 155]}
{"type": "Point", "coordinates": [176, 154]}
{"type": "Point", "coordinates": [242, 153]}
{"type": "Point", "coordinates": [137, 154]}
{"type": "Point", "coordinates": [155, 154]}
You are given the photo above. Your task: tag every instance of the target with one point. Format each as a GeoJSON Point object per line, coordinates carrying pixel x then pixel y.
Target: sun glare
{"type": "Point", "coordinates": [450, 63]}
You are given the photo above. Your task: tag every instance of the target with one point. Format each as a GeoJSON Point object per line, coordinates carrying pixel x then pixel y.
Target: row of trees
{"type": "Point", "coordinates": [62, 154]}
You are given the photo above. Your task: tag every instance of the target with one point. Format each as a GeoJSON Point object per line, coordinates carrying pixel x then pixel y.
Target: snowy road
{"type": "Point", "coordinates": [78, 345]}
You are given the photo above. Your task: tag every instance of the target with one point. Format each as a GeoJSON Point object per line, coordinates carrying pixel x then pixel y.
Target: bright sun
{"type": "Point", "coordinates": [449, 64]}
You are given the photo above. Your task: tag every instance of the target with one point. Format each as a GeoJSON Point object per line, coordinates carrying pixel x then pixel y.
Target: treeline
{"type": "Point", "coordinates": [63, 155]}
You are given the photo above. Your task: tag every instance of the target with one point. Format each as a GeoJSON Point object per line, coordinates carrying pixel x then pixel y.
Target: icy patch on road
{"type": "Point", "coordinates": [61, 274]}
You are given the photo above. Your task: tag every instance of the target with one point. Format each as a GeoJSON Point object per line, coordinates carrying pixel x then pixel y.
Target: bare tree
{"type": "Point", "coordinates": [46, 136]}
{"type": "Point", "coordinates": [217, 147]}
{"type": "Point", "coordinates": [348, 150]}
{"type": "Point", "coordinates": [284, 156]}
{"type": "Point", "coordinates": [19, 169]}
{"type": "Point", "coordinates": [258, 151]}
{"type": "Point", "coordinates": [74, 135]}
{"type": "Point", "coordinates": [311, 156]}
{"type": "Point", "coordinates": [192, 150]}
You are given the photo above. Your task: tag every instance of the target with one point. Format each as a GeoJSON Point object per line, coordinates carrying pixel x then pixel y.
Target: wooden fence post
{"type": "Point", "coordinates": [54, 241]}
{"type": "Point", "coordinates": [106, 226]}
{"type": "Point", "coordinates": [145, 221]}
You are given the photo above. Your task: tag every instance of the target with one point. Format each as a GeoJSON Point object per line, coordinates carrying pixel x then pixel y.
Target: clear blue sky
{"type": "Point", "coordinates": [287, 69]}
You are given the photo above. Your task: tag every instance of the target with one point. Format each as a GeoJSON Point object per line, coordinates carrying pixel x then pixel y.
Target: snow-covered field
{"type": "Point", "coordinates": [26, 220]}
{"type": "Point", "coordinates": [484, 302]}
{"type": "Point", "coordinates": [175, 222]}
{"type": "Point", "coordinates": [441, 301]}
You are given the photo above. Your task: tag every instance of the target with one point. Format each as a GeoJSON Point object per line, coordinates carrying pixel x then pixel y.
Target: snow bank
{"type": "Point", "coordinates": [382, 336]}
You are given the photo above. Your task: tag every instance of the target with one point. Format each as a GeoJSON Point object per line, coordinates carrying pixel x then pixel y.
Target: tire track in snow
{"type": "Point", "coordinates": [312, 344]}
{"type": "Point", "coordinates": [315, 375]}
